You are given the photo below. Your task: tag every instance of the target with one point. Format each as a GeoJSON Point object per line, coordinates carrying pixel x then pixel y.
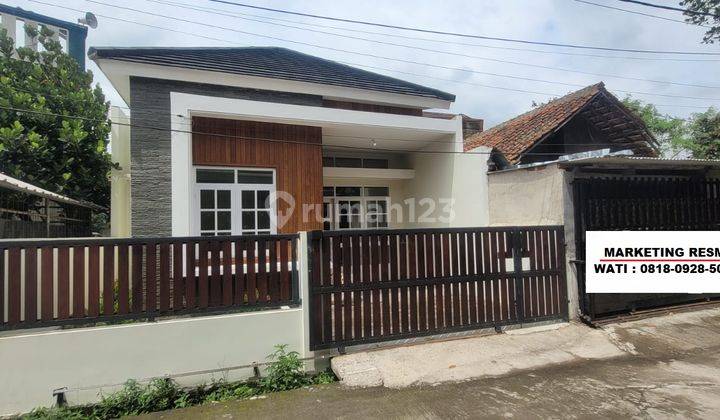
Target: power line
{"type": "Point", "coordinates": [496, 60]}
{"type": "Point", "coordinates": [446, 41]}
{"type": "Point", "coordinates": [465, 70]}
{"type": "Point", "coordinates": [375, 149]}
{"type": "Point", "coordinates": [494, 87]}
{"type": "Point", "coordinates": [639, 13]}
{"type": "Point", "coordinates": [438, 32]}
{"type": "Point", "coordinates": [662, 6]}
{"type": "Point", "coordinates": [463, 82]}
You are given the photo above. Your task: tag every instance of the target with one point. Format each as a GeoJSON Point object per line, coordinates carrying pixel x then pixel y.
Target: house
{"type": "Point", "coordinates": [70, 35]}
{"type": "Point", "coordinates": [589, 119]}
{"type": "Point", "coordinates": [585, 162]}
{"type": "Point", "coordinates": [214, 132]}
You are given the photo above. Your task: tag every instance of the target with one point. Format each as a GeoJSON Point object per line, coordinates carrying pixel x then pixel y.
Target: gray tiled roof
{"type": "Point", "coordinates": [272, 62]}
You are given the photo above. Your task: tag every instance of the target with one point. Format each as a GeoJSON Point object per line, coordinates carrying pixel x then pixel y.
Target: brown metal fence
{"type": "Point", "coordinates": [83, 281]}
{"type": "Point", "coordinates": [369, 286]}
{"type": "Point", "coordinates": [660, 203]}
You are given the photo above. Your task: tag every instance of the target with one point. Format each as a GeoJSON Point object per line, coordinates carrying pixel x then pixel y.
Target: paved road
{"type": "Point", "coordinates": [672, 369]}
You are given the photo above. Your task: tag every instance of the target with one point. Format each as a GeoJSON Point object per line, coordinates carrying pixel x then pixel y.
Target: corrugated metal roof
{"type": "Point", "coordinates": [271, 62]}
{"type": "Point", "coordinates": [623, 161]}
{"type": "Point", "coordinates": [22, 186]}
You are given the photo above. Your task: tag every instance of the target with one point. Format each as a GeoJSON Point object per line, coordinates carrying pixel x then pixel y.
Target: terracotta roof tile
{"type": "Point", "coordinates": [513, 137]}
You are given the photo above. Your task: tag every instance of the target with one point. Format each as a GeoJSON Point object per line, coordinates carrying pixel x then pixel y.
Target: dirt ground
{"type": "Point", "coordinates": [671, 368]}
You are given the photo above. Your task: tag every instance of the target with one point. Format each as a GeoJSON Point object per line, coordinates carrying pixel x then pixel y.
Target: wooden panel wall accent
{"type": "Point", "coordinates": [384, 109]}
{"type": "Point", "coordinates": [298, 165]}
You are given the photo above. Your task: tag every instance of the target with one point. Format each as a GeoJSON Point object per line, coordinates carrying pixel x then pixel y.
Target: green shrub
{"type": "Point", "coordinates": [284, 372]}
{"type": "Point", "coordinates": [327, 376]}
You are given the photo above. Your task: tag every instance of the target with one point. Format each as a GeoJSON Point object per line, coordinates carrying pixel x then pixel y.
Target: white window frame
{"type": "Point", "coordinates": [235, 199]}
{"type": "Point", "coordinates": [334, 213]}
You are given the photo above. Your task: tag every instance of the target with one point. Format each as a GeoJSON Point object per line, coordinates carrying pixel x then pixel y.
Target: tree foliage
{"type": "Point", "coordinates": [704, 138]}
{"type": "Point", "coordinates": [710, 7]}
{"type": "Point", "coordinates": [668, 130]}
{"type": "Point", "coordinates": [699, 135]}
{"type": "Point", "coordinates": [61, 144]}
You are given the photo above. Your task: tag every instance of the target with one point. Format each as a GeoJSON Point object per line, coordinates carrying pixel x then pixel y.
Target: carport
{"type": "Point", "coordinates": [614, 192]}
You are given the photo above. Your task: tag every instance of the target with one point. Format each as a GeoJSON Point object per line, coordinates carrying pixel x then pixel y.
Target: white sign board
{"type": "Point", "coordinates": [652, 262]}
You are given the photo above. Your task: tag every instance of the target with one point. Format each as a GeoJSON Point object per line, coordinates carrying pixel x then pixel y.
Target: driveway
{"type": "Point", "coordinates": [670, 367]}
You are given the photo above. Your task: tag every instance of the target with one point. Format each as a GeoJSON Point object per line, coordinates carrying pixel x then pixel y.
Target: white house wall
{"type": "Point", "coordinates": [120, 178]}
{"type": "Point", "coordinates": [447, 175]}
{"type": "Point", "coordinates": [528, 197]}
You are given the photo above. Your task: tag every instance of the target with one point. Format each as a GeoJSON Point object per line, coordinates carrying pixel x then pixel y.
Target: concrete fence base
{"type": "Point", "coordinates": [88, 361]}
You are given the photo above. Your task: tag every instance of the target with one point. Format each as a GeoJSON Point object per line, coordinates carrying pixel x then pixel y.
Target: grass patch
{"type": "Point", "coordinates": [284, 372]}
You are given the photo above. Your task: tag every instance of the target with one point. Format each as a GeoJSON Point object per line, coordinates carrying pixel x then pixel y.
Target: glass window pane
{"type": "Point", "coordinates": [248, 199]}
{"type": "Point", "coordinates": [223, 220]}
{"type": "Point", "coordinates": [223, 199]}
{"type": "Point", "coordinates": [377, 191]}
{"type": "Point", "coordinates": [255, 177]}
{"type": "Point", "coordinates": [326, 225]}
{"type": "Point", "coordinates": [223, 234]}
{"type": "Point", "coordinates": [375, 163]}
{"type": "Point", "coordinates": [207, 234]}
{"type": "Point", "coordinates": [248, 220]}
{"type": "Point", "coordinates": [328, 191]}
{"type": "Point", "coordinates": [355, 222]}
{"type": "Point", "coordinates": [207, 199]}
{"type": "Point", "coordinates": [263, 221]}
{"type": "Point", "coordinates": [382, 224]}
{"type": "Point", "coordinates": [264, 232]}
{"type": "Point", "coordinates": [343, 223]}
{"type": "Point", "coordinates": [347, 191]}
{"type": "Point", "coordinates": [355, 207]}
{"type": "Point", "coordinates": [262, 199]}
{"type": "Point", "coordinates": [218, 176]}
{"type": "Point", "coordinates": [207, 220]}
{"type": "Point", "coordinates": [342, 162]}
{"type": "Point", "coordinates": [382, 206]}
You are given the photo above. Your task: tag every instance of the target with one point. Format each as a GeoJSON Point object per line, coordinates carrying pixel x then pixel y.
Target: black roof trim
{"type": "Point", "coordinates": [272, 62]}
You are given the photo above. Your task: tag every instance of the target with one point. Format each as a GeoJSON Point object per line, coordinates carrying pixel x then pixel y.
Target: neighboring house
{"type": "Point", "coordinates": [70, 35]}
{"type": "Point", "coordinates": [28, 211]}
{"type": "Point", "coordinates": [215, 131]}
{"type": "Point", "coordinates": [586, 120]}
{"type": "Point", "coordinates": [586, 162]}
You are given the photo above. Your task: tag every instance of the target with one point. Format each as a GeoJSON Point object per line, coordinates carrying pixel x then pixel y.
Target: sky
{"type": "Point", "coordinates": [458, 65]}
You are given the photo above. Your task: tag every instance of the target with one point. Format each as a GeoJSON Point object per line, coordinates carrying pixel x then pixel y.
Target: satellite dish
{"type": "Point", "coordinates": [89, 20]}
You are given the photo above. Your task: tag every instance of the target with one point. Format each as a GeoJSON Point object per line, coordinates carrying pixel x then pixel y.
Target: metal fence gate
{"type": "Point", "coordinates": [640, 203]}
{"type": "Point", "coordinates": [369, 286]}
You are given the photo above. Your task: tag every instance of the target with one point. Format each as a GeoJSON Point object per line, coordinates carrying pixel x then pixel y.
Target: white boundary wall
{"type": "Point", "coordinates": [90, 360]}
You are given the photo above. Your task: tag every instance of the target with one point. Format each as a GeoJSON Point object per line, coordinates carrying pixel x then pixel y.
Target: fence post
{"type": "Point", "coordinates": [517, 248]}
{"type": "Point", "coordinates": [313, 254]}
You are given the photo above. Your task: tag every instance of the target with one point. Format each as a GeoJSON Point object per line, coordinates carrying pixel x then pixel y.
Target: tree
{"type": "Point", "coordinates": [668, 130]}
{"type": "Point", "coordinates": [704, 138]}
{"type": "Point", "coordinates": [704, 12]}
{"type": "Point", "coordinates": [61, 143]}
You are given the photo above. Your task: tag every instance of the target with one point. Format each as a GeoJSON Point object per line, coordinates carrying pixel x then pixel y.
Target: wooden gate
{"type": "Point", "coordinates": [640, 203]}
{"type": "Point", "coordinates": [369, 286]}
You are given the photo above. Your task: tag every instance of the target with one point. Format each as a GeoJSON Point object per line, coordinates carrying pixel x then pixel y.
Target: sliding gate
{"type": "Point", "coordinates": [640, 203]}
{"type": "Point", "coordinates": [370, 286]}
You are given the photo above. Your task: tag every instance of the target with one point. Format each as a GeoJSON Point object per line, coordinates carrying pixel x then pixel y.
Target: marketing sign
{"type": "Point", "coordinates": [652, 262]}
